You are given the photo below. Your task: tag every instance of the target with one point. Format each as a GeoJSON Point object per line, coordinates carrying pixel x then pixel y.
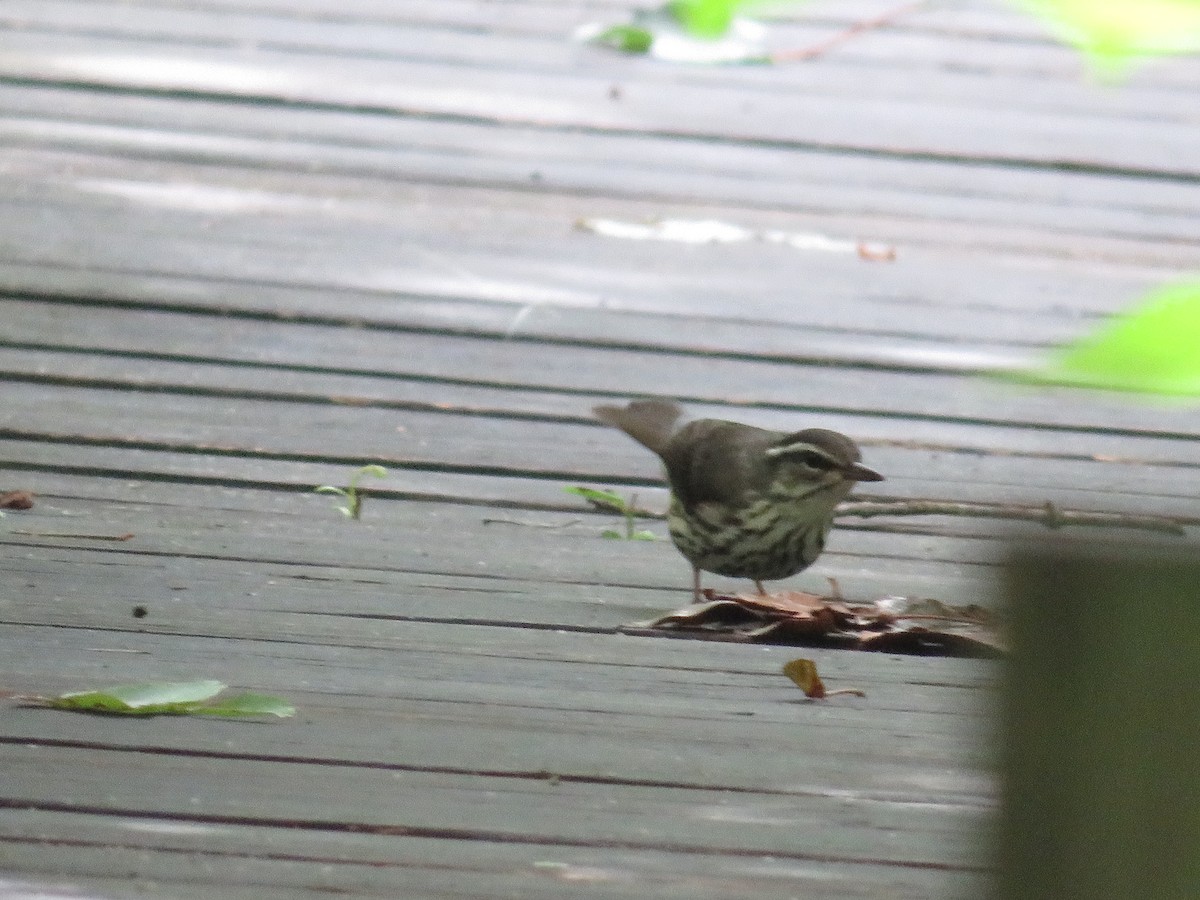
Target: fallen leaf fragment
{"type": "Point", "coordinates": [166, 698]}
{"type": "Point", "coordinates": [139, 699]}
{"type": "Point", "coordinates": [876, 252]}
{"type": "Point", "coordinates": [804, 673]}
{"type": "Point", "coordinates": [16, 500]}
{"type": "Point", "coordinates": [893, 624]}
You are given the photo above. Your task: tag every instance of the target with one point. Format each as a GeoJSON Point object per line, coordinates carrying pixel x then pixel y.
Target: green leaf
{"type": "Point", "coordinates": [643, 536]}
{"type": "Point", "coordinates": [610, 534]}
{"type": "Point", "coordinates": [1155, 349]}
{"type": "Point", "coordinates": [712, 18]}
{"type": "Point", "coordinates": [705, 18]}
{"type": "Point", "coordinates": [248, 705]}
{"type": "Point", "coordinates": [140, 699]}
{"type": "Point", "coordinates": [1114, 32]}
{"type": "Point", "coordinates": [168, 698]}
{"type": "Point", "coordinates": [377, 471]}
{"type": "Point", "coordinates": [627, 38]}
{"type": "Point", "coordinates": [330, 489]}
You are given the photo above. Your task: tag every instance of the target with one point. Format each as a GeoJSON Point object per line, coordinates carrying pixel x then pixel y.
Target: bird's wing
{"type": "Point", "coordinates": [711, 461]}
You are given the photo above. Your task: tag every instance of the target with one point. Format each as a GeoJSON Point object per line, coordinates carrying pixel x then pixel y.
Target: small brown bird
{"type": "Point", "coordinates": [745, 501]}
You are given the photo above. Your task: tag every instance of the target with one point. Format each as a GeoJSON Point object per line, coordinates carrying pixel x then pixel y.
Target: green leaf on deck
{"type": "Point", "coordinates": [1113, 33]}
{"type": "Point", "coordinates": [685, 31]}
{"type": "Point", "coordinates": [167, 698]}
{"type": "Point", "coordinates": [626, 38]}
{"type": "Point", "coordinates": [1155, 349]}
{"type": "Point", "coordinates": [705, 18]}
{"type": "Point", "coordinates": [140, 698]}
{"type": "Point", "coordinates": [247, 705]}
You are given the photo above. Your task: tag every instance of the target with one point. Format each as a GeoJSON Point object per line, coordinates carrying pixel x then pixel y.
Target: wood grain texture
{"type": "Point", "coordinates": [247, 246]}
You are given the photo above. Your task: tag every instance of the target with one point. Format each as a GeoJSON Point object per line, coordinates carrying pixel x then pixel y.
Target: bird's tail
{"type": "Point", "coordinates": [649, 422]}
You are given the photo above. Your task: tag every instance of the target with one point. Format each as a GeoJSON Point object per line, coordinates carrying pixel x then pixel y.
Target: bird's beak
{"type": "Point", "coordinates": [859, 472]}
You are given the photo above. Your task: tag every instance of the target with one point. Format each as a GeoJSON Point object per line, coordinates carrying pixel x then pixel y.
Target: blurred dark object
{"type": "Point", "coordinates": [1101, 753]}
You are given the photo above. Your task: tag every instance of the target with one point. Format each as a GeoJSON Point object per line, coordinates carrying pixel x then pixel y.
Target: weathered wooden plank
{"type": "Point", "coordinates": [496, 571]}
{"type": "Point", "coordinates": [441, 665]}
{"type": "Point", "coordinates": [444, 666]}
{"type": "Point", "coordinates": [603, 327]}
{"type": "Point", "coordinates": [67, 850]}
{"type": "Point", "coordinates": [553, 18]}
{"type": "Point", "coordinates": [528, 297]}
{"type": "Point", "coordinates": [498, 809]}
{"type": "Point", "coordinates": [1044, 207]}
{"type": "Point", "coordinates": [913, 48]}
{"type": "Point", "coordinates": [203, 229]}
{"type": "Point", "coordinates": [251, 480]}
{"type": "Point", "coordinates": [144, 350]}
{"type": "Point", "coordinates": [914, 210]}
{"type": "Point", "coordinates": [589, 688]}
{"type": "Point", "coordinates": [422, 560]}
{"type": "Point", "coordinates": [575, 98]}
{"type": "Point", "coordinates": [563, 451]}
{"type": "Point", "coordinates": [153, 243]}
{"type": "Point", "coordinates": [226, 200]}
{"type": "Point", "coordinates": [478, 703]}
{"type": "Point", "coordinates": [989, 21]}
{"type": "Point", "coordinates": [1119, 474]}
{"type": "Point", "coordinates": [419, 764]}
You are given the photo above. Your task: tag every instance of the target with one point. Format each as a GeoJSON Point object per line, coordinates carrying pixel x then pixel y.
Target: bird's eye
{"type": "Point", "coordinates": [816, 461]}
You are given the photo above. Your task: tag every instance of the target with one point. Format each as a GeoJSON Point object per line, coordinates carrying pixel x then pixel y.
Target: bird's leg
{"type": "Point", "coordinates": [762, 590]}
{"type": "Point", "coordinates": [695, 584]}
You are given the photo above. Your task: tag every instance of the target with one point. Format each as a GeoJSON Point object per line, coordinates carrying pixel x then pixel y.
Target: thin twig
{"type": "Point", "coordinates": [812, 52]}
{"type": "Point", "coordinates": [128, 536]}
{"type": "Point", "coordinates": [1048, 514]}
{"type": "Point", "coordinates": [567, 524]}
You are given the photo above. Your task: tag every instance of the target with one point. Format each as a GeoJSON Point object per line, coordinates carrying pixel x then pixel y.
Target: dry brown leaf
{"type": "Point", "coordinates": [804, 673]}
{"type": "Point", "coordinates": [895, 624]}
{"type": "Point", "coordinates": [876, 252]}
{"type": "Point", "coordinates": [16, 500]}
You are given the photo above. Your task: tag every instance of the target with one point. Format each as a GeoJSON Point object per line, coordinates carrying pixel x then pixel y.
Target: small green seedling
{"type": "Point", "coordinates": [177, 698]}
{"type": "Point", "coordinates": [353, 495]}
{"type": "Point", "coordinates": [611, 501]}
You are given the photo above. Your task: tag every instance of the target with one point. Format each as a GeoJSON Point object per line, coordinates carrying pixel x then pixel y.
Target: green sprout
{"type": "Point", "coordinates": [611, 501]}
{"type": "Point", "coordinates": [354, 496]}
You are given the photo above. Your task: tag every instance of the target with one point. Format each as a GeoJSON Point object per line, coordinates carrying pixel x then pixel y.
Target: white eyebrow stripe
{"type": "Point", "coordinates": [800, 447]}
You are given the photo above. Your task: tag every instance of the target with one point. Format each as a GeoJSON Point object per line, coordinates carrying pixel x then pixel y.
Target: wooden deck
{"type": "Point", "coordinates": [247, 246]}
